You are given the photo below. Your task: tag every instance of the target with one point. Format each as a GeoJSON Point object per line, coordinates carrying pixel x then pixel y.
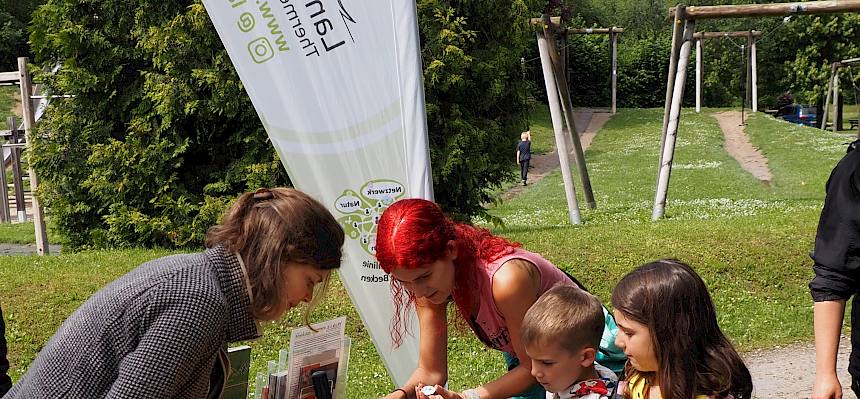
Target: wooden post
{"type": "Point", "coordinates": [564, 55]}
{"type": "Point", "coordinates": [747, 68]}
{"type": "Point", "coordinates": [754, 73]}
{"type": "Point", "coordinates": [836, 118]}
{"type": "Point", "coordinates": [674, 119]}
{"type": "Point", "coordinates": [827, 95]}
{"type": "Point", "coordinates": [840, 106]}
{"type": "Point", "coordinates": [699, 65]}
{"type": "Point", "coordinates": [17, 176]}
{"type": "Point", "coordinates": [29, 122]}
{"type": "Point", "coordinates": [613, 45]}
{"type": "Point", "coordinates": [567, 110]}
{"type": "Point", "coordinates": [555, 114]}
{"type": "Point", "coordinates": [677, 31]}
{"type": "Point", "coordinates": [5, 211]}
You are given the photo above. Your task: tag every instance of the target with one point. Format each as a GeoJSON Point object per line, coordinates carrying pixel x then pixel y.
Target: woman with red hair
{"type": "Point", "coordinates": [492, 281]}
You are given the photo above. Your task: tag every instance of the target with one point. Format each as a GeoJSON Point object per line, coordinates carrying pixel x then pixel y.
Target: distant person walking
{"type": "Point", "coordinates": [524, 154]}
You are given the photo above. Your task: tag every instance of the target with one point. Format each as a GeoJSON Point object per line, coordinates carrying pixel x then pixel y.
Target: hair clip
{"type": "Point", "coordinates": [263, 194]}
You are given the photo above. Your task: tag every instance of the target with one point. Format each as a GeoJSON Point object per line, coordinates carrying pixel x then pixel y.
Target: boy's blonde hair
{"type": "Point", "coordinates": [526, 135]}
{"type": "Point", "coordinates": [567, 315]}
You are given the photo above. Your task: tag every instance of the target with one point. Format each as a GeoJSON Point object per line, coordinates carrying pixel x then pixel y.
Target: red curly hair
{"type": "Point", "coordinates": [415, 232]}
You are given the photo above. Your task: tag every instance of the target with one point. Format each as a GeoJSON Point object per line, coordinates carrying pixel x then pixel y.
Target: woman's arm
{"type": "Point", "coordinates": [827, 321]}
{"type": "Point", "coordinates": [432, 349]}
{"type": "Point", "coordinates": [515, 289]}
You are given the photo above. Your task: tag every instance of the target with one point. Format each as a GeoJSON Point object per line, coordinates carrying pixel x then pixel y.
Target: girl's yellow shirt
{"type": "Point", "coordinates": [638, 388]}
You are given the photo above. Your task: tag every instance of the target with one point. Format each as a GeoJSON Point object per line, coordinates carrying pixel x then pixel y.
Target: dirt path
{"type": "Point", "coordinates": [788, 372]}
{"type": "Point", "coordinates": [588, 122]}
{"type": "Point", "coordinates": [738, 145]}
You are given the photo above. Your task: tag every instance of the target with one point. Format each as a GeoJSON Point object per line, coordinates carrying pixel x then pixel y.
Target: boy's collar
{"type": "Point", "coordinates": [601, 384]}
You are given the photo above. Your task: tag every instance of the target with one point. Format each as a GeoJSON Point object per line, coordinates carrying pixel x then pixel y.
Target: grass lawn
{"type": "Point", "coordinates": [25, 233]}
{"type": "Point", "coordinates": [849, 111]}
{"type": "Point", "coordinates": [750, 243]}
{"type": "Point", "coordinates": [8, 99]}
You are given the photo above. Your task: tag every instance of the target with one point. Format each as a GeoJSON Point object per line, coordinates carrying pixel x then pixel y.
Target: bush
{"type": "Point", "coordinates": [161, 135]}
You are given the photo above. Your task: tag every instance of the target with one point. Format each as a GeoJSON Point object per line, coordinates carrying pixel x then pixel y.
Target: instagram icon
{"type": "Point", "coordinates": [261, 50]}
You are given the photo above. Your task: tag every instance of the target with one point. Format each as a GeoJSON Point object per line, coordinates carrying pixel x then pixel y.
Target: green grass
{"type": "Point", "coordinates": [849, 111]}
{"type": "Point", "coordinates": [543, 136]}
{"type": "Point", "coordinates": [25, 233]}
{"type": "Point", "coordinates": [750, 242]}
{"type": "Point", "coordinates": [8, 99]}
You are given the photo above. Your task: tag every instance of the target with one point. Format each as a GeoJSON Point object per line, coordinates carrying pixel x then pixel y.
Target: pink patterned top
{"type": "Point", "coordinates": [489, 324]}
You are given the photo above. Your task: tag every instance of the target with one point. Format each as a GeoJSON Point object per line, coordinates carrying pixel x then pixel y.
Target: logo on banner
{"type": "Point", "coordinates": [308, 21]}
{"type": "Point", "coordinates": [363, 209]}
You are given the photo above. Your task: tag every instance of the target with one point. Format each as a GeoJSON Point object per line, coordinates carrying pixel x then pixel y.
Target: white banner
{"type": "Point", "coordinates": [338, 86]}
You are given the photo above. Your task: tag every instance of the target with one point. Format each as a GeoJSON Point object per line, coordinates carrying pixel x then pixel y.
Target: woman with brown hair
{"type": "Point", "coordinates": [161, 331]}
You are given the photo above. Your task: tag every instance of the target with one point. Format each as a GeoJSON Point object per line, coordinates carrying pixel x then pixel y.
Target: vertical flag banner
{"type": "Point", "coordinates": [338, 86]}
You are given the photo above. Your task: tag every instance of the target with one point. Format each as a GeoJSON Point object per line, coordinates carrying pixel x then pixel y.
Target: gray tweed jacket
{"type": "Point", "coordinates": [156, 332]}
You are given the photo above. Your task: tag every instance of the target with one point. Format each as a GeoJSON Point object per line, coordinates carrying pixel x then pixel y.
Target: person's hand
{"type": "Point", "coordinates": [827, 387]}
{"type": "Point", "coordinates": [441, 393]}
{"type": "Point", "coordinates": [397, 394]}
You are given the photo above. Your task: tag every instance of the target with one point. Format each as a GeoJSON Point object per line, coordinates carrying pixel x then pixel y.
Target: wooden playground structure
{"type": "Point", "coordinates": [751, 92]}
{"type": "Point", "coordinates": [554, 65]}
{"type": "Point", "coordinates": [833, 91]}
{"type": "Point", "coordinates": [683, 30]}
{"type": "Point", "coordinates": [17, 139]}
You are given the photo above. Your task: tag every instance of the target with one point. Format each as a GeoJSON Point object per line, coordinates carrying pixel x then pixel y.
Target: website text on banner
{"type": "Point", "coordinates": [337, 84]}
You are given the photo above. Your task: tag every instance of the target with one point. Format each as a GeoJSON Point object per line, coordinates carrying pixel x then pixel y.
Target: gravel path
{"type": "Point", "coordinates": [788, 372]}
{"type": "Point", "coordinates": [26, 249]}
{"type": "Point", "coordinates": [738, 145]}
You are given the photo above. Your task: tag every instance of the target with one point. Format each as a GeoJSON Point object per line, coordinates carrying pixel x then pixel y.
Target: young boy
{"type": "Point", "coordinates": [561, 333]}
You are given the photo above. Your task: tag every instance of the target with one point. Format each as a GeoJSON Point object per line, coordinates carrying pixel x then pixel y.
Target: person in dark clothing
{"type": "Point", "coordinates": [5, 381]}
{"type": "Point", "coordinates": [524, 155]}
{"type": "Point", "coordinates": [837, 275]}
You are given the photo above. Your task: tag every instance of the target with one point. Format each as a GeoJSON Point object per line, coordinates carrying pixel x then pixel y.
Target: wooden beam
{"type": "Point", "coordinates": [668, 149]}
{"type": "Point", "coordinates": [775, 9]}
{"type": "Point", "coordinates": [555, 114]}
{"type": "Point", "coordinates": [699, 72]}
{"type": "Point", "coordinates": [553, 21]}
{"type": "Point", "coordinates": [7, 77]}
{"type": "Point", "coordinates": [848, 63]}
{"type": "Point", "coordinates": [717, 35]}
{"type": "Point", "coordinates": [29, 124]}
{"type": "Point", "coordinates": [555, 25]}
{"type": "Point", "coordinates": [677, 38]}
{"type": "Point", "coordinates": [589, 31]}
{"type": "Point", "coordinates": [754, 72]}
{"type": "Point", "coordinates": [613, 45]}
{"type": "Point", "coordinates": [567, 112]}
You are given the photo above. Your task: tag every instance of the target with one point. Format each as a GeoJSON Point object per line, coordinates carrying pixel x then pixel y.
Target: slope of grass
{"type": "Point", "coordinates": [750, 242]}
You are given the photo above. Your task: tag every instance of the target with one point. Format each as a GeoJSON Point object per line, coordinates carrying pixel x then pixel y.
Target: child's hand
{"type": "Point", "coordinates": [441, 393]}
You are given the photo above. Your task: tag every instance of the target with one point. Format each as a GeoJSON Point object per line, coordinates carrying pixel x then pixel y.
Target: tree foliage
{"type": "Point", "coordinates": [14, 17]}
{"type": "Point", "coordinates": [161, 134]}
{"type": "Point", "coordinates": [476, 99]}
